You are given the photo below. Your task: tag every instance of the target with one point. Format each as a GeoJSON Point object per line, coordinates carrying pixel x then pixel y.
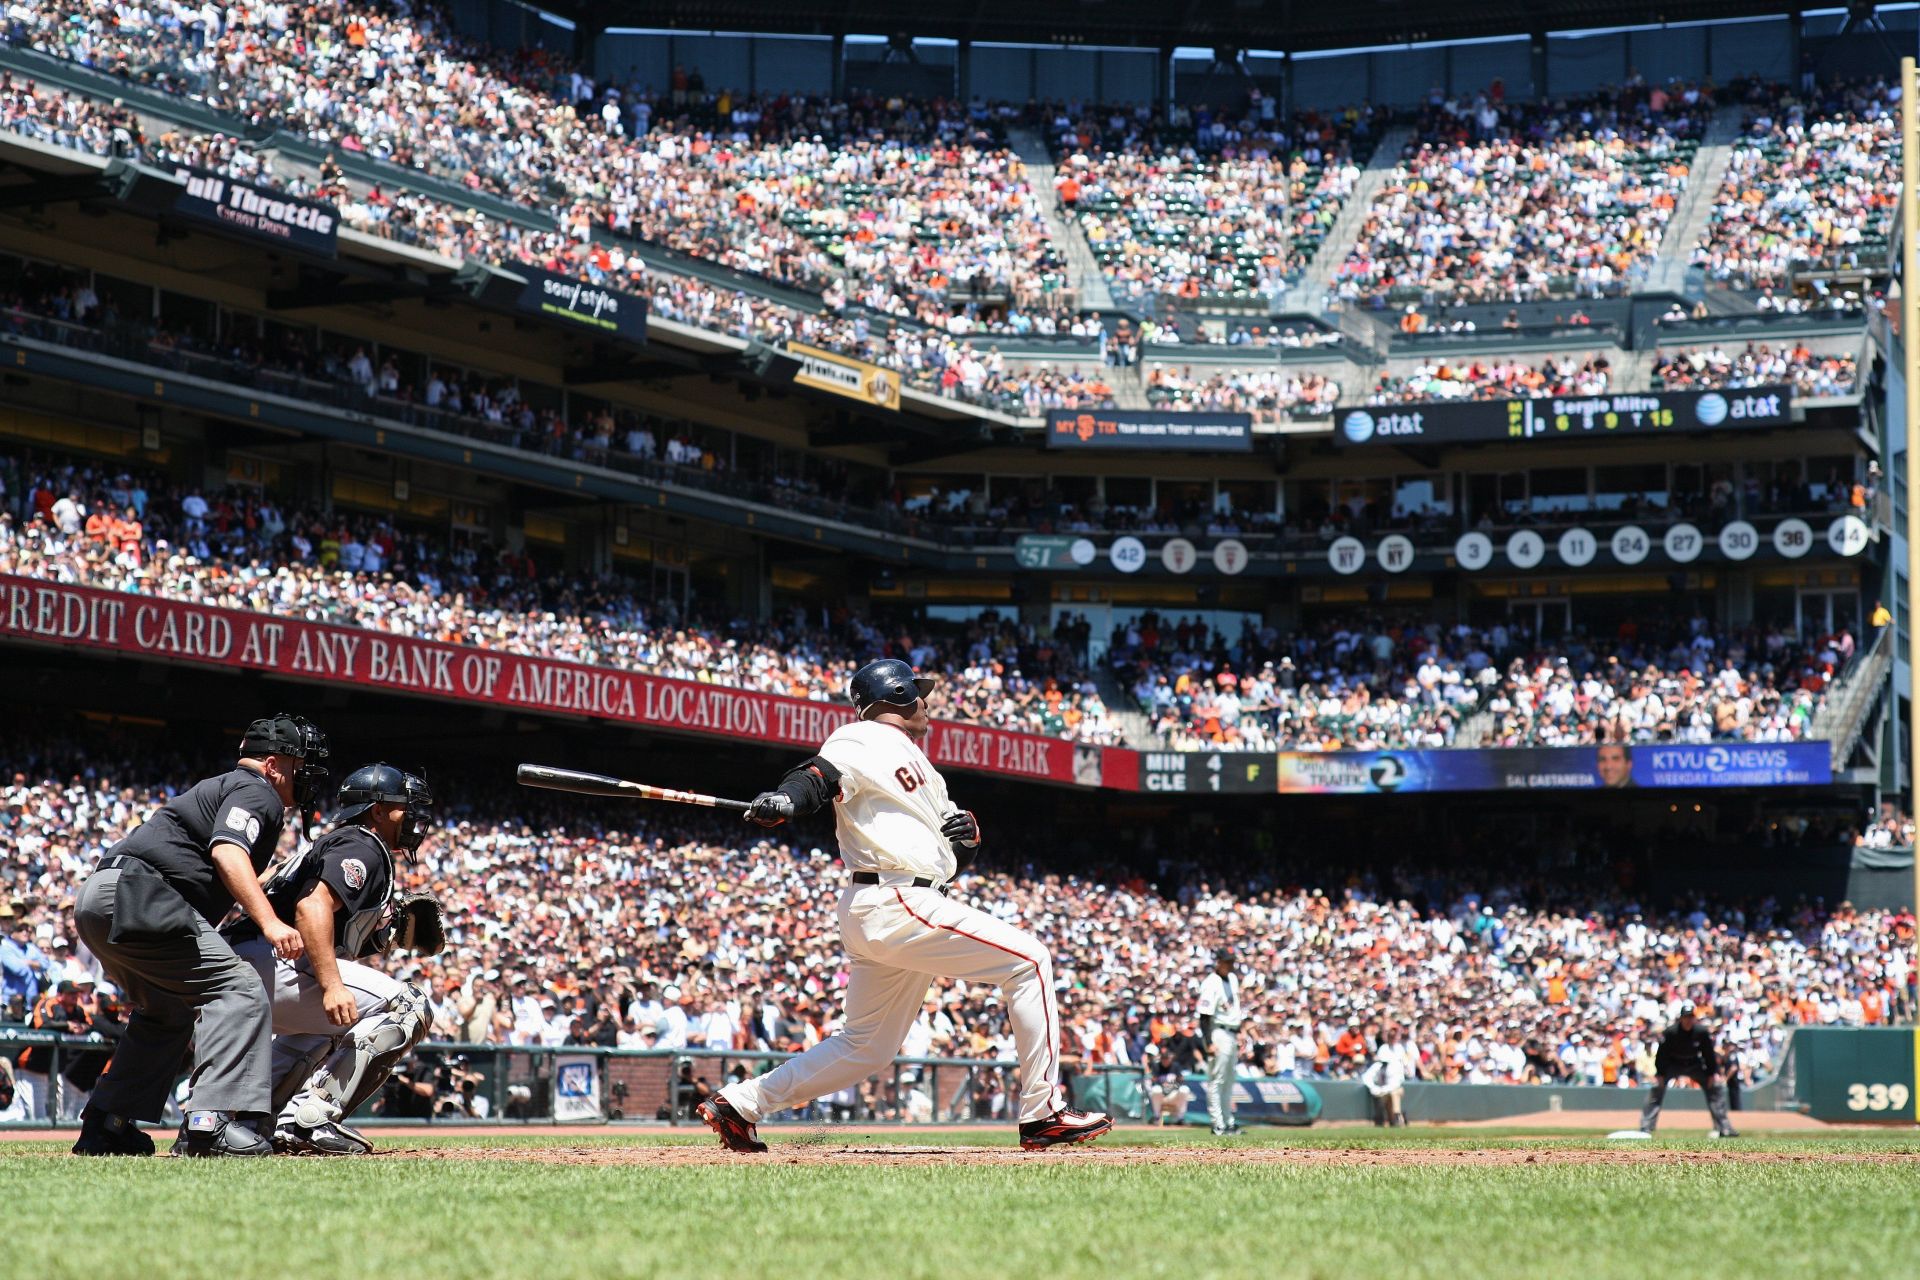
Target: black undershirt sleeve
{"type": "Point", "coordinates": [811, 785]}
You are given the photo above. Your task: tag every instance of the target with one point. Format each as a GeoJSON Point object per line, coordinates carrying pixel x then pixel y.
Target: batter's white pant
{"type": "Point", "coordinates": [301, 1032]}
{"type": "Point", "coordinates": [899, 939]}
{"type": "Point", "coordinates": [1224, 1056]}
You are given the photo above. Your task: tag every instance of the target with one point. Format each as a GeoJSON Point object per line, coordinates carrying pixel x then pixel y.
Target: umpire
{"type": "Point", "coordinates": [148, 912]}
{"type": "Point", "coordinates": [1687, 1050]}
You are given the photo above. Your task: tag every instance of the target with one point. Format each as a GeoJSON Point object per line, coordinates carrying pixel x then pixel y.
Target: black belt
{"type": "Point", "coordinates": [113, 861]}
{"type": "Point", "coordinates": [873, 877]}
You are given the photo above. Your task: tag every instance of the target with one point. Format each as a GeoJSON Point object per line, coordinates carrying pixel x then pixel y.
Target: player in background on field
{"type": "Point", "coordinates": [903, 840]}
{"type": "Point", "coordinates": [1220, 1019]}
{"type": "Point", "coordinates": [1687, 1050]}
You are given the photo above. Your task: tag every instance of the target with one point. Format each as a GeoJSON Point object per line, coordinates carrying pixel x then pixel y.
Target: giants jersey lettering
{"type": "Point", "coordinates": [892, 802]}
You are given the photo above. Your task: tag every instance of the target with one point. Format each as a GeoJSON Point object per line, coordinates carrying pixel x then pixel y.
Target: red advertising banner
{"type": "Point", "coordinates": [176, 631]}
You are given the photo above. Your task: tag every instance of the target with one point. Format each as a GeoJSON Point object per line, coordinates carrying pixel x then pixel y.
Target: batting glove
{"type": "Point", "coordinates": [962, 828]}
{"type": "Point", "coordinates": [770, 808]}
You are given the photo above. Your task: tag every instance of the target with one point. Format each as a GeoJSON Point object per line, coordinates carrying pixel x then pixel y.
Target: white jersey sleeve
{"type": "Point", "coordinates": [852, 754]}
{"type": "Point", "coordinates": [891, 805]}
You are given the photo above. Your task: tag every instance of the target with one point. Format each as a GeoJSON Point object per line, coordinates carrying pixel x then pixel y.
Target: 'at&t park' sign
{"type": "Point", "coordinates": [175, 631]}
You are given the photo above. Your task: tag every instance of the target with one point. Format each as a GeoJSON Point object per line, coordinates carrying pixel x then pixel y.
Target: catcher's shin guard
{"type": "Point", "coordinates": [295, 1059]}
{"type": "Point", "coordinates": [362, 1061]}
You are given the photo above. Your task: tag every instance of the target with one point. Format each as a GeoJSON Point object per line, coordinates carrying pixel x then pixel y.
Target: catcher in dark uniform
{"type": "Point", "coordinates": [340, 1026]}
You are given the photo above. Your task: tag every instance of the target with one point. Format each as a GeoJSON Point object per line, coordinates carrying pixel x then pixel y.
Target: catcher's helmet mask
{"type": "Point", "coordinates": [367, 786]}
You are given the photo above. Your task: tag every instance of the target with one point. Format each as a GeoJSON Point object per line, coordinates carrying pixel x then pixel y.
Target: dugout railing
{"type": "Point", "coordinates": [576, 1084]}
{"type": "Point", "coordinates": [492, 1084]}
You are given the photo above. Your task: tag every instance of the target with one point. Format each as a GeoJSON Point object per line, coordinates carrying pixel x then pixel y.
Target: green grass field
{"type": "Point", "coordinates": [1332, 1204]}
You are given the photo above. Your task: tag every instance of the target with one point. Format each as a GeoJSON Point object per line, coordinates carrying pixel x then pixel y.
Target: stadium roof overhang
{"type": "Point", "coordinates": [1289, 25]}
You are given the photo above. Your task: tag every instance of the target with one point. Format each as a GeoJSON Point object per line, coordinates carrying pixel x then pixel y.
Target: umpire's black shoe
{"type": "Point", "coordinates": [220, 1133]}
{"type": "Point", "coordinates": [109, 1135]}
{"type": "Point", "coordinates": [737, 1133]}
{"type": "Point", "coordinates": [1063, 1127]}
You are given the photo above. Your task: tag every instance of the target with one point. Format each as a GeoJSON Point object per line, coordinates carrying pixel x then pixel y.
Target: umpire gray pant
{"type": "Point", "coordinates": [184, 989]}
{"type": "Point", "coordinates": [1716, 1102]}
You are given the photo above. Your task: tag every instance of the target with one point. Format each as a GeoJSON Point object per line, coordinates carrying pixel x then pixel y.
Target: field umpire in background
{"type": "Point", "coordinates": [1687, 1050]}
{"type": "Point", "coordinates": [148, 912]}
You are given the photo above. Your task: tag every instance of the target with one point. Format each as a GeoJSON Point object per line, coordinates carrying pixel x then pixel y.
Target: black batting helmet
{"type": "Point", "coordinates": [887, 680]}
{"type": "Point", "coordinates": [369, 785]}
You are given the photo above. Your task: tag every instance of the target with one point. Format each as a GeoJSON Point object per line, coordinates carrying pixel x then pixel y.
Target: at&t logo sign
{"type": "Point", "coordinates": [1361, 426]}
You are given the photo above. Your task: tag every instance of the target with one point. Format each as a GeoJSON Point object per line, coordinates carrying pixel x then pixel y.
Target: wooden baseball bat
{"type": "Point", "coordinates": [599, 784]}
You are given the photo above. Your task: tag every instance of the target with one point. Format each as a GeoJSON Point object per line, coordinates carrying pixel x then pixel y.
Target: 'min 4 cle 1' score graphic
{"type": "Point", "coordinates": [1608, 765]}
{"type": "Point", "coordinates": [1569, 417]}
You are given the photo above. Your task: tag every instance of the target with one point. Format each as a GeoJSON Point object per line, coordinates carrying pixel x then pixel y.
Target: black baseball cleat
{"type": "Point", "coordinates": [1062, 1127]}
{"type": "Point", "coordinates": [736, 1131]}
{"type": "Point", "coordinates": [329, 1139]}
{"type": "Point", "coordinates": [220, 1133]}
{"type": "Point", "coordinates": [109, 1135]}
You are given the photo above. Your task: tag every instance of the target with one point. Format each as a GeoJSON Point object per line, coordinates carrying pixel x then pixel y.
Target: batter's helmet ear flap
{"type": "Point", "coordinates": [889, 681]}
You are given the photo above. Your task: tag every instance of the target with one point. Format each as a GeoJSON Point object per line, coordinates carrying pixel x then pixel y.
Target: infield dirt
{"type": "Point", "coordinates": [821, 1153]}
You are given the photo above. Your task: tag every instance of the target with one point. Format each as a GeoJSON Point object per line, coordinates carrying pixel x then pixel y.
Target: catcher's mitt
{"type": "Point", "coordinates": [419, 925]}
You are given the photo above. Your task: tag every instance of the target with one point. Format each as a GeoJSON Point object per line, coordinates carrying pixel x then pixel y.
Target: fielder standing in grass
{"type": "Point", "coordinates": [1220, 1019]}
{"type": "Point", "coordinates": [1687, 1051]}
{"type": "Point", "coordinates": [903, 840]}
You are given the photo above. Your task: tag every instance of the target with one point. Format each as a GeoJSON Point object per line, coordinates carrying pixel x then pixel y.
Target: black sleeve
{"type": "Point", "coordinates": [251, 816]}
{"type": "Point", "coordinates": [353, 865]}
{"type": "Point", "coordinates": [1709, 1058]}
{"type": "Point", "coordinates": [812, 784]}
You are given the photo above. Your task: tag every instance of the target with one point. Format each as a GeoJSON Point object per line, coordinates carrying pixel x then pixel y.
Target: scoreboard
{"type": "Point", "coordinates": [1225, 772]}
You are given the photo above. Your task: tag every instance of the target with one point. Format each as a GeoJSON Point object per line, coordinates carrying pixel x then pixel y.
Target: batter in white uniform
{"type": "Point", "coordinates": [900, 837]}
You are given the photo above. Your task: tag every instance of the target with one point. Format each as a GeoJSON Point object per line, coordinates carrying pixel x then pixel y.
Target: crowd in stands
{"type": "Point", "coordinates": [1207, 206]}
{"type": "Point", "coordinates": [1668, 685]}
{"type": "Point", "coordinates": [99, 526]}
{"type": "Point", "coordinates": [892, 210]}
{"type": "Point", "coordinates": [1814, 184]}
{"type": "Point", "coordinates": [1504, 202]}
{"type": "Point", "coordinates": [656, 929]}
{"type": "Point", "coordinates": [1758, 364]}
{"type": "Point", "coordinates": [1497, 379]}
{"type": "Point", "coordinates": [1269, 394]}
{"type": "Point", "coordinates": [1891, 828]}
{"type": "Point", "coordinates": [1365, 683]}
{"type": "Point", "coordinates": [903, 200]}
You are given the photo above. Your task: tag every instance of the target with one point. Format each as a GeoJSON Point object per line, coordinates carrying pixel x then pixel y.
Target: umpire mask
{"type": "Point", "coordinates": [296, 736]}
